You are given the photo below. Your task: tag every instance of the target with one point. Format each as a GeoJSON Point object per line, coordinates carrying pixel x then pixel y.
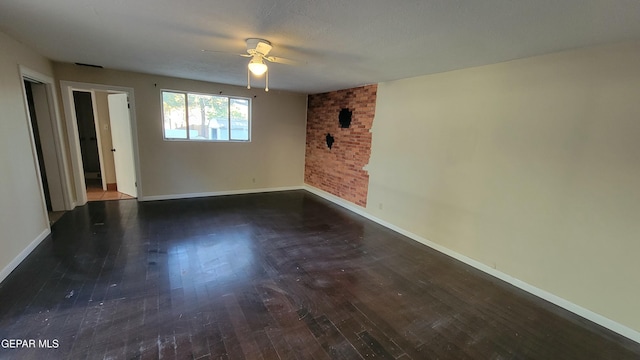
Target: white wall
{"type": "Point", "coordinates": [23, 221]}
{"type": "Point", "coordinates": [531, 167]}
{"type": "Point", "coordinates": [274, 157]}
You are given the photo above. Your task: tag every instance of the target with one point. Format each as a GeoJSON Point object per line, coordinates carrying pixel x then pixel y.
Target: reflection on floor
{"type": "Point", "coordinates": [95, 192]}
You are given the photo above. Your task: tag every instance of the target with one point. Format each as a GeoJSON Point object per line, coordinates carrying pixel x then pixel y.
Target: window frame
{"type": "Point", "coordinates": [229, 98]}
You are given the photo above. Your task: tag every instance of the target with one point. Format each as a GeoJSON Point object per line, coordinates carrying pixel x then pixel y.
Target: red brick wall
{"type": "Point", "coordinates": [339, 170]}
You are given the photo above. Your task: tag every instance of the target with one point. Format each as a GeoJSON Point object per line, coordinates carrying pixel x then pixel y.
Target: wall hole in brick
{"type": "Point", "coordinates": [345, 118]}
{"type": "Point", "coordinates": [330, 140]}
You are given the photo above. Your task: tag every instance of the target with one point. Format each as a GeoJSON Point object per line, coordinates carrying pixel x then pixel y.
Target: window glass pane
{"type": "Point", "coordinates": [208, 117]}
{"type": "Point", "coordinates": [220, 116]}
{"type": "Point", "coordinates": [239, 119]}
{"type": "Point", "coordinates": [174, 115]}
{"type": "Point", "coordinates": [191, 116]}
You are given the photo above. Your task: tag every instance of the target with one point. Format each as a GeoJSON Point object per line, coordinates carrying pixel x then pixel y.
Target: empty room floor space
{"type": "Point", "coordinates": [284, 275]}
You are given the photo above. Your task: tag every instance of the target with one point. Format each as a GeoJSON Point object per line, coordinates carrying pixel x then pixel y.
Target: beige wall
{"type": "Point", "coordinates": [274, 157]}
{"type": "Point", "coordinates": [22, 218]}
{"type": "Point", "coordinates": [531, 167]}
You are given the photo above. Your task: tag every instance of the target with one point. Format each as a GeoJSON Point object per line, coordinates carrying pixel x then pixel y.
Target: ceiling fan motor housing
{"type": "Point", "coordinates": [259, 46]}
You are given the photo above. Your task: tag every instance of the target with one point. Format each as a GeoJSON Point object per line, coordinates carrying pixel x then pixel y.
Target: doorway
{"type": "Point", "coordinates": [95, 134]}
{"type": "Point", "coordinates": [88, 137]}
{"type": "Point", "coordinates": [47, 143]}
{"type": "Point", "coordinates": [102, 141]}
{"type": "Point", "coordinates": [28, 89]}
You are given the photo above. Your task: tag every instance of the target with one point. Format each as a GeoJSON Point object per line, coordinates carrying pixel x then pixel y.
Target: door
{"type": "Point", "coordinates": [122, 144]}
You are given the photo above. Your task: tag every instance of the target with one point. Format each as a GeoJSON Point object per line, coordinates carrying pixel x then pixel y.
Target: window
{"type": "Point", "coordinates": [204, 117]}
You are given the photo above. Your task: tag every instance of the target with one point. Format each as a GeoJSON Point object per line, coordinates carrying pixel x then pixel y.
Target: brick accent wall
{"type": "Point", "coordinates": [339, 170]}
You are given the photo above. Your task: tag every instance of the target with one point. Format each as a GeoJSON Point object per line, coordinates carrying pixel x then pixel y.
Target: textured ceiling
{"type": "Point", "coordinates": [338, 43]}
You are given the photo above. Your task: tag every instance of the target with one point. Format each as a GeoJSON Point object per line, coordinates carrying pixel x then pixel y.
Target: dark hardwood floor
{"type": "Point", "coordinates": [269, 276]}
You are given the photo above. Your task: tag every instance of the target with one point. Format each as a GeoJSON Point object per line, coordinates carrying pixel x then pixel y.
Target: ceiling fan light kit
{"type": "Point", "coordinates": [264, 71]}
{"type": "Point", "coordinates": [257, 66]}
{"type": "Point", "coordinates": [258, 49]}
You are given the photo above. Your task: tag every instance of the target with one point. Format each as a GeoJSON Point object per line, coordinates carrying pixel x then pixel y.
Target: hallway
{"type": "Point", "coordinates": [95, 192]}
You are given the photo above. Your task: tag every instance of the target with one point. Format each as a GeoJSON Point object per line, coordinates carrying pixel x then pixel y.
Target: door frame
{"type": "Point", "coordinates": [77, 170]}
{"type": "Point", "coordinates": [59, 162]}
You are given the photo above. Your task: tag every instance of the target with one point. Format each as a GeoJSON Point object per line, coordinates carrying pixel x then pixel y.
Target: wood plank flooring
{"type": "Point", "coordinates": [269, 276]}
{"type": "Point", "coordinates": [96, 193]}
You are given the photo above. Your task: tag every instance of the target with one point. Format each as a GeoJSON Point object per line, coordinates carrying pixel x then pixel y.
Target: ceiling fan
{"type": "Point", "coordinates": [258, 50]}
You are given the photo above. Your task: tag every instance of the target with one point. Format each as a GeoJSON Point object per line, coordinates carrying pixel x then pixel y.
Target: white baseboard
{"type": "Point", "coordinates": [554, 299]}
{"type": "Point", "coordinates": [217, 193]}
{"type": "Point", "coordinates": [23, 254]}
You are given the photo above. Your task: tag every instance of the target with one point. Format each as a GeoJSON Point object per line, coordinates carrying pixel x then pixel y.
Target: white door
{"type": "Point", "coordinates": [122, 144]}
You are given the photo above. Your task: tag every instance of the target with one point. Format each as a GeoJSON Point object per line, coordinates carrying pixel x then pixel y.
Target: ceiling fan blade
{"type": "Point", "coordinates": [280, 60]}
{"type": "Point", "coordinates": [224, 52]}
